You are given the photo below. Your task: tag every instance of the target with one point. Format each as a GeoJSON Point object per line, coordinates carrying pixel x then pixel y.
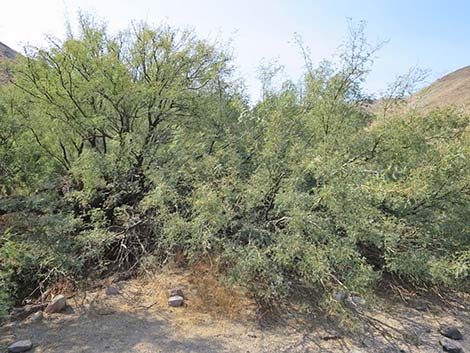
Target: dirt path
{"type": "Point", "coordinates": [138, 320]}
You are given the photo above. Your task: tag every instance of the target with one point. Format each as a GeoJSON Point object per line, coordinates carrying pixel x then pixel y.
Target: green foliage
{"type": "Point", "coordinates": [120, 149]}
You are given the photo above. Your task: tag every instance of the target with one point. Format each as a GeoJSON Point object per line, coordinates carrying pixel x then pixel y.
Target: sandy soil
{"type": "Point", "coordinates": [214, 320]}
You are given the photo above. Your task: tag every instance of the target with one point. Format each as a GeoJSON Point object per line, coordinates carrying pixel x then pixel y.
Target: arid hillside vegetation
{"type": "Point", "coordinates": [450, 90]}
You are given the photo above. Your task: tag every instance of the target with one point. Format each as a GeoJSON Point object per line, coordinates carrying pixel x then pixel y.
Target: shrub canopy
{"type": "Point", "coordinates": [122, 150]}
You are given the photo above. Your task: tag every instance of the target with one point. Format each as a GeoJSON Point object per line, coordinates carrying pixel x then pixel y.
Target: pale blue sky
{"type": "Point", "coordinates": [431, 34]}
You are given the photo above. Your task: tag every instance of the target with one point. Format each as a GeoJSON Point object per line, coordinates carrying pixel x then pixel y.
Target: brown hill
{"type": "Point", "coordinates": [450, 90]}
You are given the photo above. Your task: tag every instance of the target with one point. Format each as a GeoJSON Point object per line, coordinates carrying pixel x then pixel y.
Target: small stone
{"type": "Point", "coordinates": [251, 334]}
{"type": "Point", "coordinates": [57, 304]}
{"type": "Point", "coordinates": [175, 301]}
{"type": "Point", "coordinates": [37, 316]}
{"type": "Point", "coordinates": [355, 301]}
{"type": "Point", "coordinates": [450, 346]}
{"type": "Point", "coordinates": [177, 291]}
{"type": "Point", "coordinates": [339, 295]}
{"type": "Point", "coordinates": [26, 311]}
{"type": "Point", "coordinates": [358, 300]}
{"type": "Point", "coordinates": [451, 332]}
{"type": "Point", "coordinates": [112, 290]}
{"type": "Point", "coordinates": [20, 346]}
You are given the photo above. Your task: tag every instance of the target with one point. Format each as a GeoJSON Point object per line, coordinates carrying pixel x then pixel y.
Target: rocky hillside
{"type": "Point", "coordinates": [450, 90]}
{"type": "Point", "coordinates": [5, 53]}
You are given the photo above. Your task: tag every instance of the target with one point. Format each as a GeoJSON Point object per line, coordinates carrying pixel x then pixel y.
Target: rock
{"type": "Point", "coordinates": [355, 301]}
{"type": "Point", "coordinates": [358, 300]}
{"type": "Point", "coordinates": [27, 310]}
{"type": "Point", "coordinates": [57, 304]}
{"type": "Point", "coordinates": [450, 346]}
{"type": "Point", "coordinates": [112, 290]}
{"type": "Point", "coordinates": [175, 301]}
{"type": "Point", "coordinates": [20, 346]}
{"type": "Point", "coordinates": [37, 316]}
{"type": "Point", "coordinates": [177, 291]}
{"type": "Point", "coordinates": [339, 295]}
{"type": "Point", "coordinates": [31, 309]}
{"type": "Point", "coordinates": [451, 332]}
{"type": "Point", "coordinates": [251, 334]}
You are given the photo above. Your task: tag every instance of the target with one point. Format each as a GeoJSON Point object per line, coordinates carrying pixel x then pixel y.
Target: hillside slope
{"type": "Point", "coordinates": [451, 90]}
{"type": "Point", "coordinates": [5, 53]}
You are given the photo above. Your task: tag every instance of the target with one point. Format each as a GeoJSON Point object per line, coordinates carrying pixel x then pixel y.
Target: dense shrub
{"type": "Point", "coordinates": [119, 149]}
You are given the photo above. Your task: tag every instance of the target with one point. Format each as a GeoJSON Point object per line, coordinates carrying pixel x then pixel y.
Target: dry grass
{"type": "Point", "coordinates": [450, 90]}
{"type": "Point", "coordinates": [203, 292]}
{"type": "Point", "coordinates": [205, 297]}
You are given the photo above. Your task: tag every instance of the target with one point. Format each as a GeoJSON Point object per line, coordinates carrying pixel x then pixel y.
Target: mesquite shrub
{"type": "Point", "coordinates": [120, 149]}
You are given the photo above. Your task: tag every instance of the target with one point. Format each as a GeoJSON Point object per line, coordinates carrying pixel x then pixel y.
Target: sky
{"type": "Point", "coordinates": [430, 34]}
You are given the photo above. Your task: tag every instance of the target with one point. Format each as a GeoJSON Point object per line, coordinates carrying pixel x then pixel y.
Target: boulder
{"type": "Point", "coordinates": [451, 332]}
{"type": "Point", "coordinates": [20, 346]}
{"type": "Point", "coordinates": [450, 346]}
{"type": "Point", "coordinates": [58, 303]}
{"type": "Point", "coordinates": [175, 301]}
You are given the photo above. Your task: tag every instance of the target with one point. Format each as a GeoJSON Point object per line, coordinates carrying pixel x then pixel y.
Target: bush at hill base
{"type": "Point", "coordinates": [120, 151]}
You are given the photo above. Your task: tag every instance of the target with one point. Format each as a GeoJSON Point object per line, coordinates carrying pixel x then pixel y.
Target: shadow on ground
{"type": "Point", "coordinates": [137, 321]}
{"type": "Point", "coordinates": [113, 333]}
